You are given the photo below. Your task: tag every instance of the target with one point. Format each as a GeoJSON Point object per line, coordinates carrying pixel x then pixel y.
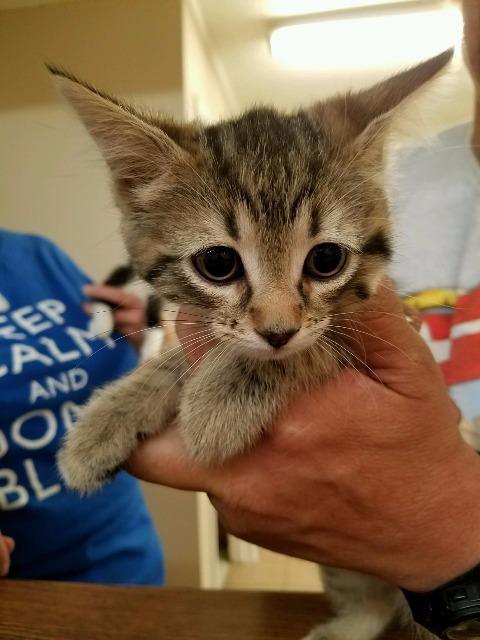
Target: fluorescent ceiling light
{"type": "Point", "coordinates": [302, 7]}
{"type": "Point", "coordinates": [370, 41]}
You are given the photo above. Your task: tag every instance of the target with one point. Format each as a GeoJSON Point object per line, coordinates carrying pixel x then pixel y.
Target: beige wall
{"type": "Point", "coordinates": [52, 179]}
{"type": "Point", "coordinates": [175, 514]}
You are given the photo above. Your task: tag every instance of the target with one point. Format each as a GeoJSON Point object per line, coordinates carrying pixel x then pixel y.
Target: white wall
{"type": "Point", "coordinates": [52, 179]}
{"type": "Point", "coordinates": [206, 89]}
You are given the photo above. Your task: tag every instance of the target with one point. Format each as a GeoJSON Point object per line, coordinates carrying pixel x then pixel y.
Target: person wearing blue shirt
{"type": "Point", "coordinates": [50, 363]}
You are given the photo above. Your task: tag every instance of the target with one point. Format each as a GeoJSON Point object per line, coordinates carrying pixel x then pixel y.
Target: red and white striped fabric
{"type": "Point", "coordinates": [453, 334]}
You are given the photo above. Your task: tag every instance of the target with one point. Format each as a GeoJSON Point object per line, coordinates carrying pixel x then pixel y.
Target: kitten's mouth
{"type": "Point", "coordinates": [267, 352]}
{"type": "Point", "coordinates": [273, 354]}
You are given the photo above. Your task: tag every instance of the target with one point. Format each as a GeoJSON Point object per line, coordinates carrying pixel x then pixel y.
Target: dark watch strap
{"type": "Point", "coordinates": [448, 605]}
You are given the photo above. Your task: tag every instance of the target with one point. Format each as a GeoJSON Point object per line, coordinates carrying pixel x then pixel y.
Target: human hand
{"type": "Point", "coordinates": [129, 310]}
{"type": "Point", "coordinates": [471, 20]}
{"type": "Point", "coordinates": [367, 472]}
{"type": "Point", "coordinates": [7, 545]}
{"type": "Point", "coordinates": [471, 49]}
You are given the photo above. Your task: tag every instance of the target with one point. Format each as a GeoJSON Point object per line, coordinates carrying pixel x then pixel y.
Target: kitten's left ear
{"type": "Point", "coordinates": [361, 117]}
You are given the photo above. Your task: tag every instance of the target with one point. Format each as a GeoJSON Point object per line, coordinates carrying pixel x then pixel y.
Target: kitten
{"type": "Point", "coordinates": [270, 225]}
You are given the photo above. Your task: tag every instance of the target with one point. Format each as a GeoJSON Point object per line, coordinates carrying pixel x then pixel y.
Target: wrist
{"type": "Point", "coordinates": [449, 544]}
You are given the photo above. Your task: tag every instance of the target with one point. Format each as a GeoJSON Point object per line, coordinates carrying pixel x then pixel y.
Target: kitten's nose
{"type": "Point", "coordinates": [277, 339]}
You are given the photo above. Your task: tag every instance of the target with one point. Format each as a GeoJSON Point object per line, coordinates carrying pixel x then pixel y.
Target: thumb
{"type": "Point", "coordinates": [194, 333]}
{"type": "Point", "coordinates": [163, 459]}
{"type": "Point", "coordinates": [10, 543]}
{"type": "Point", "coordinates": [389, 345]}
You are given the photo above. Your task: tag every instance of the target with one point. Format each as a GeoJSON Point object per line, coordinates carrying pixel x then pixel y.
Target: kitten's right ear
{"type": "Point", "coordinates": [362, 117]}
{"type": "Point", "coordinates": [134, 145]}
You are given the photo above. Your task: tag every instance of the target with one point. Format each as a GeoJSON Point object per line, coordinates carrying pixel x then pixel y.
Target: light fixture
{"type": "Point", "coordinates": [369, 40]}
{"type": "Point", "coordinates": [283, 8]}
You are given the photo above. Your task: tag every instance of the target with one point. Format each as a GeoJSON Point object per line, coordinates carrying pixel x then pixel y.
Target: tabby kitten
{"type": "Point", "coordinates": [269, 224]}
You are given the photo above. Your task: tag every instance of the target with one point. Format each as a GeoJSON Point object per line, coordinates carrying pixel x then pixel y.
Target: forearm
{"type": "Point", "coordinates": [448, 540]}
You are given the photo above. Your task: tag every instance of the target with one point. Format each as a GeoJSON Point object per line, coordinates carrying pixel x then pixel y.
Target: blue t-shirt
{"type": "Point", "coordinates": [49, 366]}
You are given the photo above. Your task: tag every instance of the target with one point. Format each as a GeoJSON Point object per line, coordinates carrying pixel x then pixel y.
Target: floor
{"type": "Point", "coordinates": [274, 572]}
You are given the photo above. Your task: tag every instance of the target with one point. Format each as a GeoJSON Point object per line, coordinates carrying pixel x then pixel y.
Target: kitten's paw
{"type": "Point", "coordinates": [92, 453]}
{"type": "Point", "coordinates": [80, 468]}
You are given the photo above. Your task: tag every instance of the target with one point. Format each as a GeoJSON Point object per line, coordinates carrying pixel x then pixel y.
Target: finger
{"type": "Point", "coordinates": [134, 335]}
{"type": "Point", "coordinates": [384, 300]}
{"type": "Point", "coordinates": [10, 543]}
{"type": "Point", "coordinates": [130, 330]}
{"type": "Point", "coordinates": [413, 316]}
{"type": "Point", "coordinates": [6, 546]}
{"type": "Point", "coordinates": [163, 459]}
{"type": "Point", "coordinates": [132, 317]}
{"type": "Point", "coordinates": [113, 295]}
{"type": "Point", "coordinates": [4, 564]}
{"type": "Point", "coordinates": [388, 340]}
{"type": "Point", "coordinates": [189, 320]}
{"type": "Point", "coordinates": [191, 325]}
{"type": "Point", "coordinates": [392, 349]}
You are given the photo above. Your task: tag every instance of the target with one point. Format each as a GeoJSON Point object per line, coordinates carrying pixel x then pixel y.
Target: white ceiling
{"type": "Point", "coordinates": [239, 32]}
{"type": "Point", "coordinates": [272, 7]}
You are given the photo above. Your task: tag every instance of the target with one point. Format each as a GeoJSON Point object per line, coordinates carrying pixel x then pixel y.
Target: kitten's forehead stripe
{"type": "Point", "coordinates": [304, 197]}
{"type": "Point", "coordinates": [270, 161]}
{"type": "Point", "coordinates": [378, 245]}
{"type": "Point", "coordinates": [232, 225]}
{"type": "Point", "coordinates": [314, 229]}
{"type": "Point", "coordinates": [305, 192]}
{"type": "Point", "coordinates": [215, 139]}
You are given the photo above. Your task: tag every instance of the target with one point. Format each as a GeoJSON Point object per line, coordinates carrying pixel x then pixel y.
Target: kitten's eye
{"type": "Point", "coordinates": [219, 264]}
{"type": "Point", "coordinates": [325, 260]}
